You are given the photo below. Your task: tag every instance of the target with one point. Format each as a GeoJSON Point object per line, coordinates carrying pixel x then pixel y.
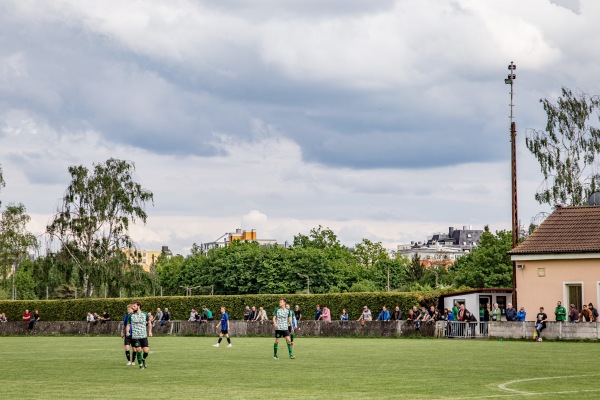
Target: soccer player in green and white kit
{"type": "Point", "coordinates": [141, 329]}
{"type": "Point", "coordinates": [282, 320]}
{"type": "Point", "coordinates": [293, 324]}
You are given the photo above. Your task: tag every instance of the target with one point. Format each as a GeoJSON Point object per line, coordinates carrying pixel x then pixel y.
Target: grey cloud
{"type": "Point", "coordinates": [38, 168]}
{"type": "Point", "coordinates": [79, 79]}
{"type": "Point", "coordinates": [573, 5]}
{"type": "Point", "coordinates": [302, 8]}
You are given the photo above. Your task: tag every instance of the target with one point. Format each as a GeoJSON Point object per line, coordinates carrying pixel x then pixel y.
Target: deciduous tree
{"type": "Point", "coordinates": [567, 150]}
{"type": "Point", "coordinates": [15, 240]}
{"type": "Point", "coordinates": [93, 219]}
{"type": "Point", "coordinates": [488, 265]}
{"type": "Point", "coordinates": [368, 253]}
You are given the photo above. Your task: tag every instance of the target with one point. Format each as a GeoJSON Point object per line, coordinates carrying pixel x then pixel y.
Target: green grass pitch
{"type": "Point", "coordinates": [324, 368]}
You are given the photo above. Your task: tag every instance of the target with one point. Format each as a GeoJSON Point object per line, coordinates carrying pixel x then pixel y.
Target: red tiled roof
{"type": "Point", "coordinates": [480, 290]}
{"type": "Point", "coordinates": [566, 230]}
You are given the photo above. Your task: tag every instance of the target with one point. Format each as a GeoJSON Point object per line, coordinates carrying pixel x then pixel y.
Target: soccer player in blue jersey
{"type": "Point", "coordinates": [282, 320]}
{"type": "Point", "coordinates": [224, 324]}
{"type": "Point", "coordinates": [138, 323]}
{"type": "Point", "coordinates": [127, 338]}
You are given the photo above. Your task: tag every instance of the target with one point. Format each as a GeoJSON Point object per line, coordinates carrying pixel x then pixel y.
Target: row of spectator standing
{"type": "Point", "coordinates": [487, 313]}
{"type": "Point", "coordinates": [458, 312]}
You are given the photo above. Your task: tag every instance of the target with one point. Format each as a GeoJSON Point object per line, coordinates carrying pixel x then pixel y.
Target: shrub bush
{"type": "Point", "coordinates": [76, 310]}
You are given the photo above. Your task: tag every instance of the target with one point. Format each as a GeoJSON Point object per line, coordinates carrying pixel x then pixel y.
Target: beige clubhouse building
{"type": "Point", "coordinates": [560, 261]}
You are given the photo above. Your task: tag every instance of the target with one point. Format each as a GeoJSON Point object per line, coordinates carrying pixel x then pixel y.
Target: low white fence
{"type": "Point", "coordinates": [458, 329]}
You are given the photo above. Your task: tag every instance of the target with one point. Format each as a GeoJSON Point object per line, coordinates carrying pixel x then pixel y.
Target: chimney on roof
{"type": "Point", "coordinates": [450, 231]}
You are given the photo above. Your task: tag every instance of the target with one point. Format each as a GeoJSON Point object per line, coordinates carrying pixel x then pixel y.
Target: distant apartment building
{"type": "Point", "coordinates": [146, 258]}
{"type": "Point", "coordinates": [229, 237]}
{"type": "Point", "coordinates": [466, 237]}
{"type": "Point", "coordinates": [443, 249]}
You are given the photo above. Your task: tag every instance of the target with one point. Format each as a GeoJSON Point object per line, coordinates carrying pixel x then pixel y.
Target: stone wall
{"type": "Point", "coordinates": [313, 328]}
{"type": "Point", "coordinates": [70, 328]}
{"type": "Point", "coordinates": [554, 330]}
{"type": "Point", "coordinates": [508, 330]}
{"type": "Point", "coordinates": [61, 328]}
{"type": "Point", "coordinates": [238, 328]}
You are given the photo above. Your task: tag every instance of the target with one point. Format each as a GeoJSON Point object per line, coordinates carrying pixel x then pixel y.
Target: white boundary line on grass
{"type": "Point", "coordinates": [503, 386]}
{"type": "Point", "coordinates": [515, 392]}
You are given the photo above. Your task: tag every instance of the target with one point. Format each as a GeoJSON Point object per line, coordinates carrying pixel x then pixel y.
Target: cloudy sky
{"type": "Point", "coordinates": [385, 120]}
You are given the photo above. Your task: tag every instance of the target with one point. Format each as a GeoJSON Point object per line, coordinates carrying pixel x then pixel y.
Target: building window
{"type": "Point", "coordinates": [501, 300]}
{"type": "Point", "coordinates": [574, 292]}
{"type": "Point", "coordinates": [143, 254]}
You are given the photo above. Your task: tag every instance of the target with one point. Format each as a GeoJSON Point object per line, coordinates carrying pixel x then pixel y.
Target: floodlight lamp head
{"type": "Point", "coordinates": [508, 81]}
{"type": "Point", "coordinates": [512, 67]}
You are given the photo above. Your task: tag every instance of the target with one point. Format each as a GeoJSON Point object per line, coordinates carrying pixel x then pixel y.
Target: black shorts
{"type": "Point", "coordinates": [281, 333]}
{"type": "Point", "coordinates": [143, 342]}
{"type": "Point", "coordinates": [224, 332]}
{"type": "Point", "coordinates": [127, 340]}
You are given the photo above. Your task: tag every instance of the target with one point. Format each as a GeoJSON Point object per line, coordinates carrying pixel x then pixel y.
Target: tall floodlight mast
{"type": "Point", "coordinates": [513, 158]}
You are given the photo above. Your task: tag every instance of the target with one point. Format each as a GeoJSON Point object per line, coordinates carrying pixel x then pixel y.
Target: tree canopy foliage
{"type": "Point", "coordinates": [92, 227]}
{"type": "Point", "coordinates": [15, 240]}
{"type": "Point", "coordinates": [316, 263]}
{"type": "Point", "coordinates": [567, 150]}
{"type": "Point", "coordinates": [488, 265]}
{"type": "Point", "coordinates": [15, 243]}
{"type": "Point", "coordinates": [92, 221]}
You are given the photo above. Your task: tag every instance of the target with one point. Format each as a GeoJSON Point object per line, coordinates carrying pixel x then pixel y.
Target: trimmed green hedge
{"type": "Point", "coordinates": [180, 307]}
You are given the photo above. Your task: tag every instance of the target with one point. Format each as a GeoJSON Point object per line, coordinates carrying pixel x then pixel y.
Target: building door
{"type": "Point", "coordinates": [483, 302]}
{"type": "Point", "coordinates": [574, 292]}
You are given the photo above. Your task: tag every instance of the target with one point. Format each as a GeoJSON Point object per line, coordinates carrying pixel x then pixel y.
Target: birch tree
{"type": "Point", "coordinates": [567, 150]}
{"type": "Point", "coordinates": [93, 218]}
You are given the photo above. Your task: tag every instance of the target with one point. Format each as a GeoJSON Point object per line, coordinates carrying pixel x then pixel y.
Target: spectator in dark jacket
{"type": "Point", "coordinates": [487, 311]}
{"type": "Point", "coordinates": [462, 313]}
{"type": "Point", "coordinates": [434, 314]}
{"type": "Point", "coordinates": [573, 314]}
{"type": "Point", "coordinates": [318, 312]}
{"type": "Point", "coordinates": [165, 318]}
{"type": "Point", "coordinates": [34, 318]}
{"type": "Point", "coordinates": [446, 315]}
{"type": "Point", "coordinates": [472, 321]}
{"type": "Point", "coordinates": [594, 311]}
{"type": "Point", "coordinates": [397, 314]}
{"type": "Point", "coordinates": [540, 323]}
{"type": "Point", "coordinates": [247, 314]}
{"type": "Point", "coordinates": [511, 313]}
